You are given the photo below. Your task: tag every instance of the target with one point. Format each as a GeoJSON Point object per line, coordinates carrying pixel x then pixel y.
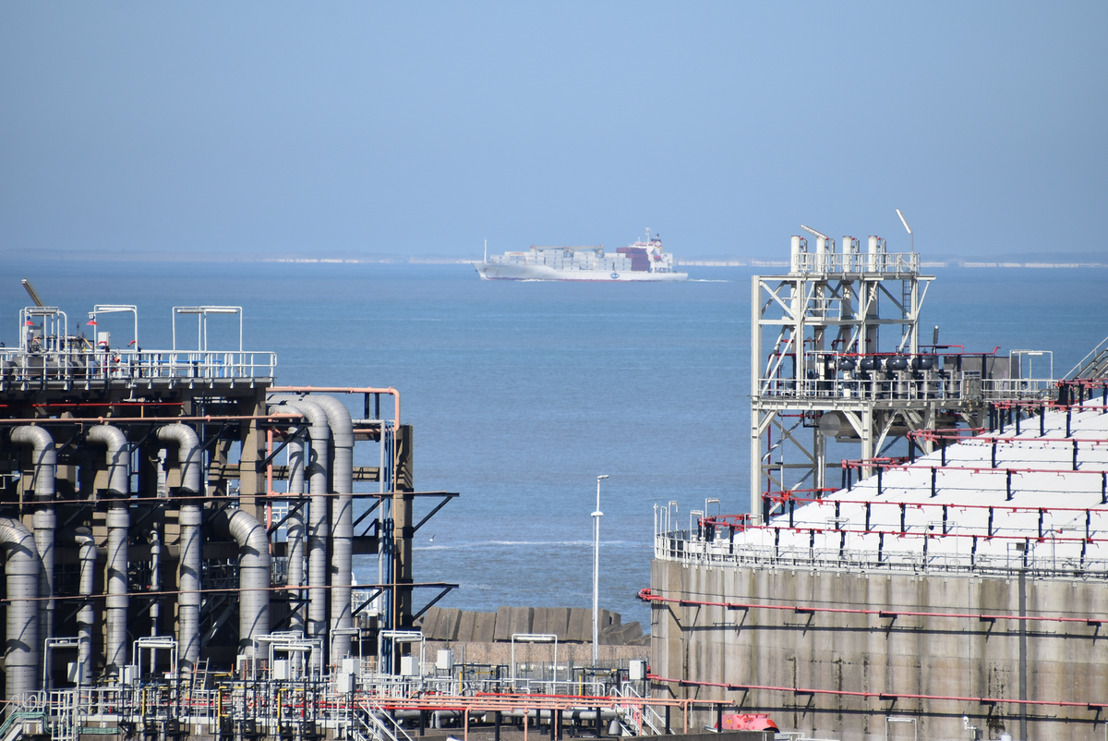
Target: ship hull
{"type": "Point", "coordinates": [501, 271]}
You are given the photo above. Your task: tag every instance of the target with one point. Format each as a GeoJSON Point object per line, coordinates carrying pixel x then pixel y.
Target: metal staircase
{"type": "Point", "coordinates": [1093, 365]}
{"type": "Point", "coordinates": [372, 723]}
{"type": "Point", "coordinates": [637, 719]}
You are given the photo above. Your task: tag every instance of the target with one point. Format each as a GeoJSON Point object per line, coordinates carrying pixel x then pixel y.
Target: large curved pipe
{"type": "Point", "coordinates": [22, 663]}
{"type": "Point", "coordinates": [86, 615]}
{"type": "Point", "coordinates": [188, 454]}
{"type": "Point", "coordinates": [119, 525]}
{"type": "Point", "coordinates": [319, 433]}
{"type": "Point", "coordinates": [44, 520]}
{"type": "Point", "coordinates": [342, 523]}
{"type": "Point", "coordinates": [254, 573]}
{"type": "Point", "coordinates": [46, 457]}
{"type": "Point", "coordinates": [189, 516]}
{"type": "Point", "coordinates": [119, 457]}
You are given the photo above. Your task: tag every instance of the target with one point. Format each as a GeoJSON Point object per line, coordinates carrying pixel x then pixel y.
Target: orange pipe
{"type": "Point", "coordinates": [1092, 706]}
{"type": "Point", "coordinates": [344, 390]}
{"type": "Point", "coordinates": [269, 480]}
{"type": "Point", "coordinates": [124, 420]}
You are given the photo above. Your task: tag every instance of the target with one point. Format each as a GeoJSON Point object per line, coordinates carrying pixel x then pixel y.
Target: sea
{"type": "Point", "coordinates": [520, 394]}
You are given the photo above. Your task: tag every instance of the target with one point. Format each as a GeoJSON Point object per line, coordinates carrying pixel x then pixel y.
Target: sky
{"type": "Point", "coordinates": [362, 129]}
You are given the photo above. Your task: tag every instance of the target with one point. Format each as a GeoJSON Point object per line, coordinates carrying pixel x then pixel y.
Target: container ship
{"type": "Point", "coordinates": [644, 260]}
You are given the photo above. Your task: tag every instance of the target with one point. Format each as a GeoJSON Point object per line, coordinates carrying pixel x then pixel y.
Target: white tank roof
{"type": "Point", "coordinates": [1033, 497]}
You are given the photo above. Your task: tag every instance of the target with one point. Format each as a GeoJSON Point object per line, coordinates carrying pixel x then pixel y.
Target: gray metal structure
{"type": "Point", "coordinates": [926, 549]}
{"type": "Point", "coordinates": [168, 511]}
{"type": "Point", "coordinates": [178, 536]}
{"type": "Point", "coordinates": [837, 359]}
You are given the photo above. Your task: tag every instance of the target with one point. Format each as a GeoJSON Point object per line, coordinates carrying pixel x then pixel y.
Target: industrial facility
{"type": "Point", "coordinates": [173, 513]}
{"type": "Point", "coordinates": [926, 549]}
{"type": "Point", "coordinates": [178, 535]}
{"type": "Point", "coordinates": [924, 554]}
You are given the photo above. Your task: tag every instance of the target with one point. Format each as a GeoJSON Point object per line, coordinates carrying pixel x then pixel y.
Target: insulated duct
{"type": "Point", "coordinates": [46, 458]}
{"type": "Point", "coordinates": [342, 523]}
{"type": "Point", "coordinates": [189, 517]}
{"type": "Point", "coordinates": [115, 650]}
{"type": "Point", "coordinates": [86, 615]}
{"type": "Point", "coordinates": [119, 457]}
{"type": "Point", "coordinates": [155, 579]}
{"type": "Point", "coordinates": [44, 520]}
{"type": "Point", "coordinates": [319, 433]}
{"type": "Point", "coordinates": [253, 574]}
{"type": "Point", "coordinates": [119, 525]}
{"type": "Point", "coordinates": [22, 663]}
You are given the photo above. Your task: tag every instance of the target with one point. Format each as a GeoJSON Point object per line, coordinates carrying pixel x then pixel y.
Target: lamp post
{"type": "Point", "coordinates": [596, 572]}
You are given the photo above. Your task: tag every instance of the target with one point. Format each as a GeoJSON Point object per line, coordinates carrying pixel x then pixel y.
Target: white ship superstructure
{"type": "Point", "coordinates": [644, 260]}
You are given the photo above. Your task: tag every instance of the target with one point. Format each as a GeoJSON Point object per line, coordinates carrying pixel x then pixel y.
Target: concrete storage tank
{"type": "Point", "coordinates": [868, 597]}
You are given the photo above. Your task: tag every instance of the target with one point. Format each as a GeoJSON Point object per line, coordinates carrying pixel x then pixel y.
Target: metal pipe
{"type": "Point", "coordinates": [319, 433]}
{"type": "Point", "coordinates": [44, 519]}
{"type": "Point", "coordinates": [46, 459]}
{"type": "Point", "coordinates": [342, 523]}
{"type": "Point", "coordinates": [189, 517]}
{"type": "Point", "coordinates": [390, 391]}
{"type": "Point", "coordinates": [119, 523]}
{"type": "Point", "coordinates": [116, 604]}
{"type": "Point", "coordinates": [155, 579]}
{"type": "Point", "coordinates": [647, 595]}
{"type": "Point", "coordinates": [394, 393]}
{"type": "Point", "coordinates": [119, 457]}
{"type": "Point", "coordinates": [254, 581]}
{"type": "Point", "coordinates": [86, 615]}
{"type": "Point", "coordinates": [22, 659]}
{"type": "Point", "coordinates": [1092, 706]}
{"type": "Point", "coordinates": [143, 420]}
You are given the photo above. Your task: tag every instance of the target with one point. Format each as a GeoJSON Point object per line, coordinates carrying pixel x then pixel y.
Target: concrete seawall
{"type": "Point", "coordinates": [570, 624]}
{"type": "Point", "coordinates": [847, 650]}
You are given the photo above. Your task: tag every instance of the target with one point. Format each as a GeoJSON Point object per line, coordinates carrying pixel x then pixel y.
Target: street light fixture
{"type": "Point", "coordinates": [596, 572]}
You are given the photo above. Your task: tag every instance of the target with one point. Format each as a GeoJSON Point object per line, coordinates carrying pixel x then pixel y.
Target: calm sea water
{"type": "Point", "coordinates": [520, 394]}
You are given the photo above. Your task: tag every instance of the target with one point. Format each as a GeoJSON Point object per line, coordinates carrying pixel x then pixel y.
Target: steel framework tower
{"type": "Point", "coordinates": [836, 357]}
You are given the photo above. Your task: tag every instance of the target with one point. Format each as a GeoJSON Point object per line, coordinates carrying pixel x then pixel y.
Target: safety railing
{"type": "Point", "coordinates": [639, 719]}
{"type": "Point", "coordinates": [1017, 388]}
{"type": "Point", "coordinates": [907, 386]}
{"type": "Point", "coordinates": [886, 263]}
{"type": "Point", "coordinates": [21, 369]}
{"type": "Point", "coordinates": [253, 708]}
{"type": "Point", "coordinates": [894, 556]}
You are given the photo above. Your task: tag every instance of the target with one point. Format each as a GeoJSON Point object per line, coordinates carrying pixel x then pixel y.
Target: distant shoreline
{"type": "Point", "coordinates": [744, 262]}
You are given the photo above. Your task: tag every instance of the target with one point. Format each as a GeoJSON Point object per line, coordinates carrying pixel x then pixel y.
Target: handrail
{"type": "Point", "coordinates": [1099, 349]}
{"type": "Point", "coordinates": [830, 558]}
{"type": "Point", "coordinates": [19, 716]}
{"type": "Point", "coordinates": [17, 367]}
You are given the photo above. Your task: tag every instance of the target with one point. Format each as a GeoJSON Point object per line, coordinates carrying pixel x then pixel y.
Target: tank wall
{"type": "Point", "coordinates": [857, 663]}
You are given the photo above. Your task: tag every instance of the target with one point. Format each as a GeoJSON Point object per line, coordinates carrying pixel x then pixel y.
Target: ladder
{"type": "Point", "coordinates": [199, 679]}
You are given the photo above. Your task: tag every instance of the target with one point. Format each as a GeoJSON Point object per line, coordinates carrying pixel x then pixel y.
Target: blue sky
{"type": "Point", "coordinates": [357, 128]}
